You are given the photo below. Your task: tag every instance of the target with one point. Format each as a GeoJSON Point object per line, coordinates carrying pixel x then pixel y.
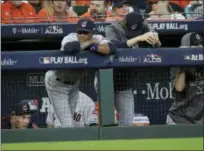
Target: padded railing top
{"type": "Point", "coordinates": [17, 60]}
{"type": "Point", "coordinates": [45, 30]}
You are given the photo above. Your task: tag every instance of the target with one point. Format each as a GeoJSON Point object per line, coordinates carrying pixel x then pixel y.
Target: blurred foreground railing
{"type": "Point", "coordinates": [49, 30]}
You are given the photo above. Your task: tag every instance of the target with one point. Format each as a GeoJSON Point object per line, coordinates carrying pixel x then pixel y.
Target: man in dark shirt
{"type": "Point", "coordinates": [20, 118]}
{"type": "Point", "coordinates": [131, 32]}
{"type": "Point", "coordinates": [188, 82]}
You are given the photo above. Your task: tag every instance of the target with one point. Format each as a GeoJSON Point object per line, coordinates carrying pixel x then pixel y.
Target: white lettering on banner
{"type": "Point", "coordinates": [45, 104]}
{"type": "Point", "coordinates": [100, 28]}
{"type": "Point", "coordinates": [124, 59]}
{"type": "Point", "coordinates": [63, 60]}
{"type": "Point", "coordinates": [36, 79]}
{"type": "Point", "coordinates": [29, 30]}
{"type": "Point", "coordinates": [74, 60]}
{"type": "Point", "coordinates": [14, 30]}
{"type": "Point", "coordinates": [26, 30]}
{"type": "Point", "coordinates": [168, 26]}
{"type": "Point", "coordinates": [152, 58]}
{"type": "Point", "coordinates": [56, 60]}
{"type": "Point", "coordinates": [157, 26]}
{"type": "Point", "coordinates": [8, 62]}
{"type": "Point", "coordinates": [53, 29]}
{"type": "Point", "coordinates": [127, 59]}
{"type": "Point", "coordinates": [194, 57]}
{"type": "Point", "coordinates": [156, 92]}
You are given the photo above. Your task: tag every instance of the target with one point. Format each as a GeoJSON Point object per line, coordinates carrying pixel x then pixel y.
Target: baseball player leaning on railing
{"type": "Point", "coordinates": [62, 85]}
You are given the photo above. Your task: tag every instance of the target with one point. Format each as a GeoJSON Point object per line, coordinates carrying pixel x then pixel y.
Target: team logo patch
{"type": "Point", "coordinates": [84, 24]}
{"type": "Point", "coordinates": [134, 27]}
{"type": "Point", "coordinates": [198, 37]}
{"type": "Point", "coordinates": [25, 107]}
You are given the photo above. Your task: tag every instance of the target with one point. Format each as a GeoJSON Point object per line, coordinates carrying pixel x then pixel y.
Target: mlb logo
{"type": "Point", "coordinates": [187, 57]}
{"type": "Point", "coordinates": [153, 56]}
{"type": "Point", "coordinates": [35, 102]}
{"type": "Point", "coordinates": [45, 60]}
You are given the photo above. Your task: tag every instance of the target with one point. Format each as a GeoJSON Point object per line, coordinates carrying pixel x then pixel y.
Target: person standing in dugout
{"type": "Point", "coordinates": [131, 32]}
{"type": "Point", "coordinates": [188, 88]}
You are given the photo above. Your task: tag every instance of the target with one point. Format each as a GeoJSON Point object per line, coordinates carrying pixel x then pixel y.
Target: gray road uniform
{"type": "Point", "coordinates": [63, 88]}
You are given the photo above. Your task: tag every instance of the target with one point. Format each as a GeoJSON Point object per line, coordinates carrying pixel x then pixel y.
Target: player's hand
{"type": "Point", "coordinates": [95, 41]}
{"type": "Point", "coordinates": [150, 38]}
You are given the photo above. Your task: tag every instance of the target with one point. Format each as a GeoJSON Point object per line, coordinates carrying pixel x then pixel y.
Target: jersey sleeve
{"type": "Point", "coordinates": [90, 114]}
{"type": "Point", "coordinates": [69, 38]}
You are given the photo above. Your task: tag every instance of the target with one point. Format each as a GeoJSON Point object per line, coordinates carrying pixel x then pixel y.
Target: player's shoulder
{"type": "Point", "coordinates": [70, 36]}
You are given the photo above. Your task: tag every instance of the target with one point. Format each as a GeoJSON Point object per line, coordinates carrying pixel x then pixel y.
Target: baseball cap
{"type": "Point", "coordinates": [119, 3]}
{"type": "Point", "coordinates": [21, 108]}
{"type": "Point", "coordinates": [86, 25]}
{"type": "Point", "coordinates": [134, 24]}
{"type": "Point", "coordinates": [191, 39]}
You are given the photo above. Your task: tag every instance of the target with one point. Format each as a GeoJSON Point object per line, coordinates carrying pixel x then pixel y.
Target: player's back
{"type": "Point", "coordinates": [83, 115]}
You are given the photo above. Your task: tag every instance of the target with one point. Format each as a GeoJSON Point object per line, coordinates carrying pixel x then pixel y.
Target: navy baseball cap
{"type": "Point", "coordinates": [134, 24]}
{"type": "Point", "coordinates": [192, 39]}
{"type": "Point", "coordinates": [21, 109]}
{"type": "Point", "coordinates": [86, 25]}
{"type": "Point", "coordinates": [119, 3]}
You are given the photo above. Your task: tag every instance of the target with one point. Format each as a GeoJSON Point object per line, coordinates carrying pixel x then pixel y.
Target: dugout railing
{"type": "Point", "coordinates": [19, 81]}
{"type": "Point", "coordinates": [145, 59]}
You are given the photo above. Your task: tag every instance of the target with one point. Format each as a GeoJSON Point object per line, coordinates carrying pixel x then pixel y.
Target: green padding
{"type": "Point", "coordinates": [150, 144]}
{"type": "Point", "coordinates": [106, 97]}
{"type": "Point", "coordinates": [80, 10]}
{"type": "Point", "coordinates": [49, 134]}
{"type": "Point", "coordinates": [74, 134]}
{"type": "Point", "coordinates": [163, 131]}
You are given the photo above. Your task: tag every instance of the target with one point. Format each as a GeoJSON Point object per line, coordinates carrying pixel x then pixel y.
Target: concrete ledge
{"type": "Point", "coordinates": [49, 134]}
{"type": "Point", "coordinates": [163, 131]}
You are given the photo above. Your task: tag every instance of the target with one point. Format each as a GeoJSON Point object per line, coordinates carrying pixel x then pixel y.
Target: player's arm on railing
{"type": "Point", "coordinates": [98, 44]}
{"type": "Point", "coordinates": [70, 44]}
{"type": "Point", "coordinates": [102, 45]}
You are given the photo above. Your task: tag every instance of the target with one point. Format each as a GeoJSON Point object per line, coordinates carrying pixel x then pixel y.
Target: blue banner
{"type": "Point", "coordinates": [123, 58]}
{"type": "Point", "coordinates": [47, 30]}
